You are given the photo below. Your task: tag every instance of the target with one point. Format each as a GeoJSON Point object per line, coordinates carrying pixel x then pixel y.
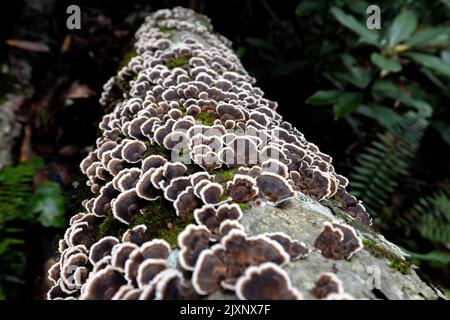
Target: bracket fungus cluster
{"type": "Point", "coordinates": [337, 241]}
{"type": "Point", "coordinates": [328, 286]}
{"type": "Point", "coordinates": [190, 131]}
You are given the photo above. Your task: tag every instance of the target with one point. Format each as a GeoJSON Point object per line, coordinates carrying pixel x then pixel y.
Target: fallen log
{"type": "Point", "coordinates": [200, 190]}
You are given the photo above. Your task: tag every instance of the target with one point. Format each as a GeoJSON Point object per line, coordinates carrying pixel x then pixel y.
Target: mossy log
{"type": "Point", "coordinates": [201, 190]}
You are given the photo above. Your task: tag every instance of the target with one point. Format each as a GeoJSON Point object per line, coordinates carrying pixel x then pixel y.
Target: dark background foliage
{"type": "Point", "coordinates": [377, 101]}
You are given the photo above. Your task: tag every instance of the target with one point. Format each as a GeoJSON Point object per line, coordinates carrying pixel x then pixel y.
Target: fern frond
{"type": "Point", "coordinates": [381, 165]}
{"type": "Point", "coordinates": [16, 187]}
{"type": "Point", "coordinates": [430, 216]}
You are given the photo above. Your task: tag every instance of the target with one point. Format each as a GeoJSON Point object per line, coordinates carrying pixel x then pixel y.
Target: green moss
{"type": "Point", "coordinates": [223, 197]}
{"type": "Point", "coordinates": [182, 108]}
{"type": "Point", "coordinates": [224, 174]}
{"type": "Point", "coordinates": [110, 227]}
{"type": "Point", "coordinates": [127, 57]}
{"type": "Point", "coordinates": [167, 33]}
{"type": "Point", "coordinates": [159, 217]}
{"type": "Point", "coordinates": [193, 168]}
{"type": "Point", "coordinates": [123, 86]}
{"type": "Point", "coordinates": [400, 265]}
{"type": "Point", "coordinates": [156, 149]}
{"type": "Point", "coordinates": [205, 118]}
{"type": "Point", "coordinates": [178, 62]}
{"type": "Point", "coordinates": [244, 206]}
{"type": "Point", "coordinates": [162, 222]}
{"type": "Point", "coordinates": [77, 194]}
{"type": "Point", "coordinates": [397, 263]}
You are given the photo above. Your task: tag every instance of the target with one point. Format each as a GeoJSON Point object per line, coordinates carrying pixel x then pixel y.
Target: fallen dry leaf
{"type": "Point", "coordinates": [68, 151]}
{"type": "Point", "coordinates": [77, 91]}
{"type": "Point", "coordinates": [28, 45]}
{"type": "Point", "coordinates": [66, 43]}
{"type": "Point", "coordinates": [26, 151]}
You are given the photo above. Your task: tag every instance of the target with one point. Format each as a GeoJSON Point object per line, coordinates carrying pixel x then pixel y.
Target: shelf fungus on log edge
{"type": "Point", "coordinates": [200, 190]}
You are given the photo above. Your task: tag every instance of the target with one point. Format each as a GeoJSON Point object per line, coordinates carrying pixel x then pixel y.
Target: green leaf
{"type": "Point", "coordinates": [385, 88]}
{"type": "Point", "coordinates": [48, 203]}
{"type": "Point", "coordinates": [324, 97]}
{"type": "Point", "coordinates": [346, 104]}
{"type": "Point", "coordinates": [366, 35]}
{"type": "Point", "coordinates": [288, 68]}
{"type": "Point", "coordinates": [435, 79]}
{"type": "Point", "coordinates": [445, 56]}
{"type": "Point", "coordinates": [402, 27]}
{"type": "Point", "coordinates": [429, 36]}
{"type": "Point", "coordinates": [385, 116]}
{"type": "Point", "coordinates": [240, 52]}
{"type": "Point", "coordinates": [360, 74]}
{"type": "Point", "coordinates": [15, 172]}
{"type": "Point", "coordinates": [431, 62]}
{"type": "Point", "coordinates": [6, 244]}
{"type": "Point", "coordinates": [16, 188]}
{"type": "Point", "coordinates": [306, 7]}
{"type": "Point", "coordinates": [444, 129]}
{"type": "Point", "coordinates": [436, 258]}
{"type": "Point", "coordinates": [385, 63]}
{"type": "Point", "coordinates": [446, 3]}
{"type": "Point", "coordinates": [357, 76]}
{"type": "Point", "coordinates": [261, 43]}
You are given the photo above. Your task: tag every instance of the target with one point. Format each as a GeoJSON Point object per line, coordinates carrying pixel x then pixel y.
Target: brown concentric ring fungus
{"type": "Point", "coordinates": [102, 248]}
{"type": "Point", "coordinates": [186, 202]}
{"type": "Point", "coordinates": [326, 284]}
{"type": "Point", "coordinates": [296, 250]}
{"type": "Point", "coordinates": [126, 206]}
{"type": "Point", "coordinates": [132, 150]}
{"type": "Point", "coordinates": [266, 282]}
{"type": "Point", "coordinates": [193, 240]}
{"type": "Point", "coordinates": [103, 285]}
{"type": "Point", "coordinates": [274, 187]}
{"type": "Point", "coordinates": [135, 235]}
{"type": "Point", "coordinates": [243, 188]}
{"type": "Point", "coordinates": [338, 241]}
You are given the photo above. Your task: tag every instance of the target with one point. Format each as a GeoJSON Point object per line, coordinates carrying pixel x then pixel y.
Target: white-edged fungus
{"type": "Point", "coordinates": [326, 284]}
{"type": "Point", "coordinates": [274, 187]}
{"type": "Point", "coordinates": [103, 284]}
{"type": "Point", "coordinates": [126, 206]}
{"type": "Point", "coordinates": [338, 241]}
{"type": "Point", "coordinates": [135, 235]}
{"type": "Point", "coordinates": [224, 263]}
{"type": "Point", "coordinates": [186, 202]}
{"type": "Point", "coordinates": [266, 282]}
{"type": "Point", "coordinates": [102, 248]}
{"type": "Point", "coordinates": [296, 249]}
{"type": "Point", "coordinates": [243, 188]}
{"type": "Point", "coordinates": [148, 270]}
{"type": "Point", "coordinates": [133, 150]}
{"type": "Point", "coordinates": [193, 240]}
